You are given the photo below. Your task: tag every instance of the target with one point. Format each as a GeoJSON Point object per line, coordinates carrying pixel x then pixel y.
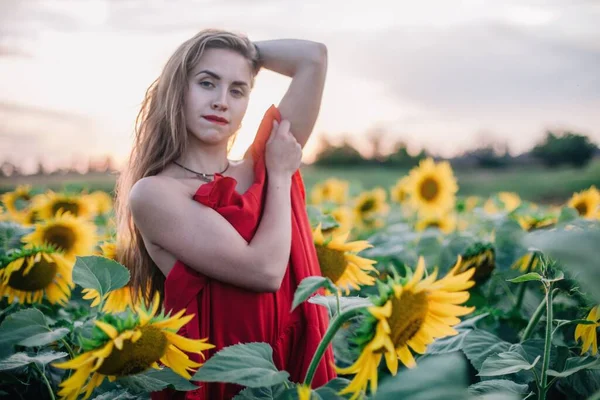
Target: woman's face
{"type": "Point", "coordinates": [219, 85]}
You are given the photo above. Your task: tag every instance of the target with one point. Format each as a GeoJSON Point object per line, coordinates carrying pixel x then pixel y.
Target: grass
{"type": "Point", "coordinates": [537, 184]}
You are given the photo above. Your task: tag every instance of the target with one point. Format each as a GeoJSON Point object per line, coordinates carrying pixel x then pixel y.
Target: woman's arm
{"type": "Point", "coordinates": [306, 63]}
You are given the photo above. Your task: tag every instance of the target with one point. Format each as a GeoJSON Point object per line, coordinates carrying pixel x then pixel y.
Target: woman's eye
{"type": "Point", "coordinates": [237, 92]}
{"type": "Point", "coordinates": [207, 82]}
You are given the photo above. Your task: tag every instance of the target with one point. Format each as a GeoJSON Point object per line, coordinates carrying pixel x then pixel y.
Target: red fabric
{"type": "Point", "coordinates": [227, 314]}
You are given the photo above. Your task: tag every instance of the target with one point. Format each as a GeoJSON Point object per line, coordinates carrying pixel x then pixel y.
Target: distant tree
{"type": "Point", "coordinates": [343, 155]}
{"type": "Point", "coordinates": [491, 156]}
{"type": "Point", "coordinates": [567, 148]}
{"type": "Point", "coordinates": [401, 158]}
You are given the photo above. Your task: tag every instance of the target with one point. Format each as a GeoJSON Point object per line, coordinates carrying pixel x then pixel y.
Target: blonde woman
{"type": "Point", "coordinates": [227, 241]}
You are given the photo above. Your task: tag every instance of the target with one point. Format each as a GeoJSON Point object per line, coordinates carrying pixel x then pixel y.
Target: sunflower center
{"type": "Point", "coordinates": [581, 208]}
{"type": "Point", "coordinates": [38, 277]}
{"type": "Point", "coordinates": [429, 188]}
{"type": "Point", "coordinates": [332, 262]}
{"type": "Point", "coordinates": [136, 357]}
{"type": "Point", "coordinates": [367, 205]}
{"type": "Point", "coordinates": [408, 314]}
{"type": "Point", "coordinates": [60, 236]}
{"type": "Point", "coordinates": [66, 206]}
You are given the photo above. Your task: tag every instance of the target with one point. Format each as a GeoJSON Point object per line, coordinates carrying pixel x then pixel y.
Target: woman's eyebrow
{"type": "Point", "coordinates": [217, 77]}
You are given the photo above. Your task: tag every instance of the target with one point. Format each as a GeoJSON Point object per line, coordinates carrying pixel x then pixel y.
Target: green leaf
{"type": "Point", "coordinates": [22, 324]}
{"type": "Point", "coordinates": [531, 276]}
{"type": "Point", "coordinates": [18, 360]}
{"type": "Point", "coordinates": [308, 287]}
{"type": "Point", "coordinates": [505, 363]}
{"type": "Point", "coordinates": [575, 364]}
{"type": "Point", "coordinates": [117, 394]}
{"type": "Point", "coordinates": [171, 379]}
{"type": "Point", "coordinates": [346, 303]}
{"type": "Point", "coordinates": [45, 338]}
{"type": "Point", "coordinates": [576, 250]}
{"type": "Point", "coordinates": [567, 214]}
{"type": "Point", "coordinates": [331, 389]}
{"type": "Point", "coordinates": [493, 386]}
{"type": "Point", "coordinates": [10, 236]}
{"type": "Point", "coordinates": [100, 274]}
{"type": "Point", "coordinates": [480, 344]}
{"type": "Point", "coordinates": [249, 364]}
{"type": "Point", "coordinates": [435, 378]}
{"type": "Point", "coordinates": [263, 393]}
{"type": "Point", "coordinates": [317, 217]}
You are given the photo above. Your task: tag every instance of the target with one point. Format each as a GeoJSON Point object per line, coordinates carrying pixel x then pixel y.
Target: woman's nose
{"type": "Point", "coordinates": [220, 103]}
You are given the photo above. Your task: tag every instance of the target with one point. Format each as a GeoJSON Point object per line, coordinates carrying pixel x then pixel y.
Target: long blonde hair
{"type": "Point", "coordinates": [160, 138]}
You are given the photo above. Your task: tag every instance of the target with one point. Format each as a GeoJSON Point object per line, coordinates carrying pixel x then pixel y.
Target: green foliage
{"type": "Point", "coordinates": [569, 148]}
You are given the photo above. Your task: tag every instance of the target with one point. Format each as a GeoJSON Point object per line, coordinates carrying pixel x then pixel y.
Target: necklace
{"type": "Point", "coordinates": [202, 175]}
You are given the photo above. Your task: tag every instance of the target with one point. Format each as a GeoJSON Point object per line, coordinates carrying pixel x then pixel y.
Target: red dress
{"type": "Point", "coordinates": [227, 314]}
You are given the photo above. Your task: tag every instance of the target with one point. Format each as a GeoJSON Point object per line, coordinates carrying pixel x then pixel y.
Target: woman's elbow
{"type": "Point", "coordinates": [273, 279]}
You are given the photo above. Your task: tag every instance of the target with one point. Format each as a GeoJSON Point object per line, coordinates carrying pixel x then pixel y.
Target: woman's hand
{"type": "Point", "coordinates": [283, 153]}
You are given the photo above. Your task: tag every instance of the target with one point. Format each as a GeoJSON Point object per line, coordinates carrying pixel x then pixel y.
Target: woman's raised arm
{"type": "Point", "coordinates": [306, 63]}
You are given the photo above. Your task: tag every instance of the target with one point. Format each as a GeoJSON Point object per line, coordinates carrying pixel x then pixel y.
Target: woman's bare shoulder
{"type": "Point", "coordinates": [160, 188]}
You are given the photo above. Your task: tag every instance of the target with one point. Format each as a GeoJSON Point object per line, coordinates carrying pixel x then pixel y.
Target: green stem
{"type": "Point", "coordinates": [523, 286]}
{"type": "Point", "coordinates": [337, 297]}
{"type": "Point", "coordinates": [547, 343]}
{"type": "Point", "coordinates": [43, 375]}
{"type": "Point", "coordinates": [535, 318]}
{"type": "Point", "coordinates": [335, 325]}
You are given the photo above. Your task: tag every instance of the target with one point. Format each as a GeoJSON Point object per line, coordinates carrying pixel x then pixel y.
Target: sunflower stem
{"type": "Point", "coordinates": [533, 321]}
{"type": "Point", "coordinates": [335, 325]}
{"type": "Point", "coordinates": [547, 343]}
{"type": "Point", "coordinates": [337, 297]}
{"type": "Point", "coordinates": [43, 375]}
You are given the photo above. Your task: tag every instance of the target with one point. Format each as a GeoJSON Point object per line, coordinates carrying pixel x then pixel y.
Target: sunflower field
{"type": "Point", "coordinates": [430, 296]}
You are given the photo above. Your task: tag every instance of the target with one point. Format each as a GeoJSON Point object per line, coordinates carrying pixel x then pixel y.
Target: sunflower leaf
{"type": "Point", "coordinates": [308, 287]}
{"type": "Point", "coordinates": [249, 364]}
{"type": "Point", "coordinates": [100, 274]}
{"type": "Point", "coordinates": [45, 338]}
{"type": "Point", "coordinates": [263, 393]}
{"type": "Point", "coordinates": [435, 378]}
{"type": "Point", "coordinates": [480, 344]}
{"type": "Point", "coordinates": [18, 360]}
{"type": "Point", "coordinates": [575, 249]}
{"type": "Point", "coordinates": [494, 386]}
{"type": "Point", "coordinates": [531, 276]}
{"type": "Point", "coordinates": [22, 324]}
{"type": "Point", "coordinates": [508, 362]}
{"type": "Point", "coordinates": [346, 303]}
{"type": "Point", "coordinates": [575, 364]}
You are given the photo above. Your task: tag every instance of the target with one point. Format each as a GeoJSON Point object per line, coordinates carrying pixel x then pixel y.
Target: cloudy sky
{"type": "Point", "coordinates": [436, 74]}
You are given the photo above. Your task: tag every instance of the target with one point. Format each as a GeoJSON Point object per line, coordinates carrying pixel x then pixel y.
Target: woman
{"type": "Point", "coordinates": [227, 241]}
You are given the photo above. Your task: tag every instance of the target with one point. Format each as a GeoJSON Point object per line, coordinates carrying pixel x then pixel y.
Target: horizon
{"type": "Point", "coordinates": [444, 77]}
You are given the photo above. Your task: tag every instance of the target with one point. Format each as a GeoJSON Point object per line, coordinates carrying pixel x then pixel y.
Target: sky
{"type": "Point", "coordinates": [445, 76]}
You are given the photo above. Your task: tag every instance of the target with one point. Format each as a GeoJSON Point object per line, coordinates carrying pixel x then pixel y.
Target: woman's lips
{"type": "Point", "coordinates": [214, 121]}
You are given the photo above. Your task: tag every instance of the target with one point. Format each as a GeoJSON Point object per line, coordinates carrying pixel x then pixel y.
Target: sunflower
{"type": "Point", "coordinates": [101, 202]}
{"type": "Point", "coordinates": [586, 202]}
{"type": "Point", "coordinates": [369, 207]}
{"type": "Point", "coordinates": [29, 274]}
{"type": "Point", "coordinates": [70, 235]}
{"type": "Point", "coordinates": [503, 201]}
{"type": "Point", "coordinates": [399, 192]}
{"type": "Point", "coordinates": [432, 187]}
{"type": "Point", "coordinates": [338, 263]}
{"type": "Point", "coordinates": [482, 258]}
{"type": "Point", "coordinates": [344, 217]}
{"type": "Point", "coordinates": [523, 263]}
{"type": "Point", "coordinates": [533, 222]}
{"type": "Point", "coordinates": [410, 313]}
{"type": "Point", "coordinates": [587, 333]}
{"type": "Point", "coordinates": [123, 345]}
{"type": "Point", "coordinates": [471, 202]}
{"type": "Point", "coordinates": [304, 392]}
{"type": "Point", "coordinates": [445, 223]}
{"type": "Point", "coordinates": [116, 300]}
{"type": "Point", "coordinates": [16, 202]}
{"type": "Point", "coordinates": [332, 190]}
{"type": "Point", "coordinates": [78, 206]}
